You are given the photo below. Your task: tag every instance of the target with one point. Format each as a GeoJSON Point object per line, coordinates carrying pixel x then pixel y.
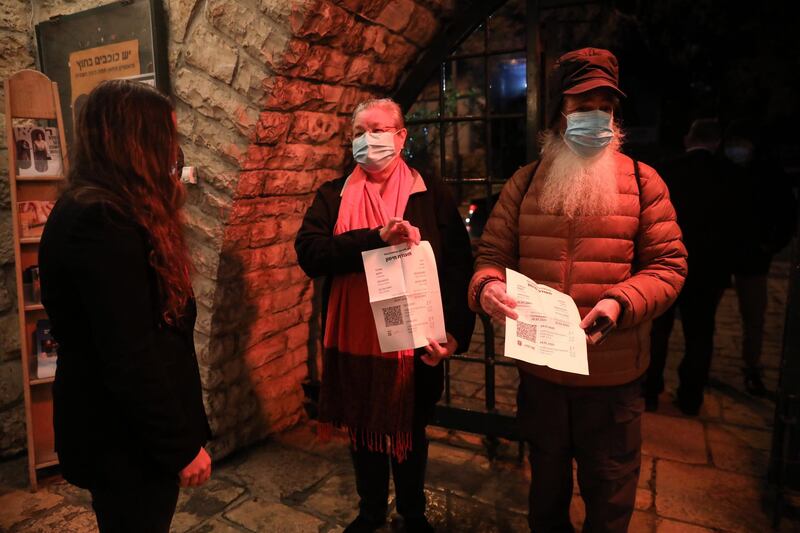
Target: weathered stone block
{"type": "Point", "coordinates": [180, 14]}
{"type": "Point", "coordinates": [373, 8]}
{"type": "Point", "coordinates": [209, 52]}
{"type": "Point", "coordinates": [316, 62]}
{"type": "Point", "coordinates": [215, 100]}
{"type": "Point", "coordinates": [321, 20]}
{"type": "Point", "coordinates": [215, 137]}
{"type": "Point", "coordinates": [7, 300]}
{"type": "Point", "coordinates": [10, 383]}
{"type": "Point", "coordinates": [12, 431]}
{"type": "Point", "coordinates": [423, 26]}
{"type": "Point", "coordinates": [272, 127]}
{"type": "Point", "coordinates": [293, 157]}
{"type": "Point", "coordinates": [9, 336]}
{"type": "Point", "coordinates": [265, 352]}
{"type": "Point", "coordinates": [15, 15]}
{"type": "Point", "coordinates": [259, 36]}
{"type": "Point", "coordinates": [6, 238]}
{"type": "Point", "coordinates": [16, 51]}
{"type": "Point", "coordinates": [289, 94]}
{"type": "Point", "coordinates": [396, 15]}
{"type": "Point", "coordinates": [313, 128]}
{"type": "Point", "coordinates": [399, 51]}
{"type": "Point", "coordinates": [250, 77]}
{"type": "Point", "coordinates": [280, 11]}
{"type": "Point", "coordinates": [352, 97]}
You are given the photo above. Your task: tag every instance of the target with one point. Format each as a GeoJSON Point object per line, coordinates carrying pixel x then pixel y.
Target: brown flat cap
{"type": "Point", "coordinates": [586, 69]}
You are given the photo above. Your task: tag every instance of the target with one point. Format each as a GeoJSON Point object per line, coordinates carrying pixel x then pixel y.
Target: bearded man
{"type": "Point", "coordinates": [590, 222]}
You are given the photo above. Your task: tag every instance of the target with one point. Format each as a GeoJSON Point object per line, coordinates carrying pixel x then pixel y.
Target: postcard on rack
{"type": "Point", "coordinates": [37, 151]}
{"type": "Point", "coordinates": [33, 216]}
{"type": "Point", "coordinates": [404, 294]}
{"type": "Point", "coordinates": [547, 331]}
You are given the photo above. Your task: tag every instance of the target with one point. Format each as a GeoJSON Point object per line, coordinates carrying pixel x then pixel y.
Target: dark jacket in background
{"type": "Point", "coordinates": [321, 253]}
{"type": "Point", "coordinates": [769, 213]}
{"type": "Point", "coordinates": [706, 193]}
{"type": "Point", "coordinates": [127, 394]}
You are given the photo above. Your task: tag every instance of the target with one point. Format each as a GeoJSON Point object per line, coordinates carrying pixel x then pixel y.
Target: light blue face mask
{"type": "Point", "coordinates": [741, 155]}
{"type": "Point", "coordinates": [588, 132]}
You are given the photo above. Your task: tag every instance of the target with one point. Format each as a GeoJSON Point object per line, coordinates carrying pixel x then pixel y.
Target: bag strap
{"type": "Point", "coordinates": [638, 176]}
{"type": "Point", "coordinates": [530, 178]}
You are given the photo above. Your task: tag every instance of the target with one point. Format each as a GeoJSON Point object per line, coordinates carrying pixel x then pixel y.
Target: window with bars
{"type": "Point", "coordinates": [468, 125]}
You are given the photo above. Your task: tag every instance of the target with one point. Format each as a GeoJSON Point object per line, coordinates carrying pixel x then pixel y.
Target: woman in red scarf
{"type": "Point", "coordinates": [384, 400]}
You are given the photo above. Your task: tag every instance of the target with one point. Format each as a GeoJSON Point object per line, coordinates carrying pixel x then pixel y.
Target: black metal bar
{"type": "Point", "coordinates": [533, 69]}
{"type": "Point", "coordinates": [503, 426]}
{"type": "Point", "coordinates": [442, 139]}
{"type": "Point", "coordinates": [487, 53]}
{"type": "Point", "coordinates": [460, 28]}
{"type": "Point", "coordinates": [481, 360]}
{"type": "Point", "coordinates": [464, 118]}
{"type": "Point", "coordinates": [488, 335]}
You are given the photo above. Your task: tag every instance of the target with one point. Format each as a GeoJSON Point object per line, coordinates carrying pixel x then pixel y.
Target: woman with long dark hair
{"type": "Point", "coordinates": [128, 412]}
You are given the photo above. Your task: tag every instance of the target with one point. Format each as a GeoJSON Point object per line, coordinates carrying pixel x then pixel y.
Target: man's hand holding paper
{"type": "Point", "coordinates": [547, 330]}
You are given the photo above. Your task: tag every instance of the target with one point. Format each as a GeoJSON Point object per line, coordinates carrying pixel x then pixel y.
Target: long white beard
{"type": "Point", "coordinates": [575, 186]}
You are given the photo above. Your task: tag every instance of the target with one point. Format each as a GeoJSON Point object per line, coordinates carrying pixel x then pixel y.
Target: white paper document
{"type": "Point", "coordinates": [547, 331]}
{"type": "Point", "coordinates": [404, 294]}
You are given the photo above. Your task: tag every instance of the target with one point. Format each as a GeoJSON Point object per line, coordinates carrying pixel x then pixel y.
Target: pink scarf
{"type": "Point", "coordinates": [369, 393]}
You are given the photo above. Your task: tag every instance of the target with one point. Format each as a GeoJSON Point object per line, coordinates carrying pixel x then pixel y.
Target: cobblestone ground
{"type": "Point", "coordinates": [698, 474]}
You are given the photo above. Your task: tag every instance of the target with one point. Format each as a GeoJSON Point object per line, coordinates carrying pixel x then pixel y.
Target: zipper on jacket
{"type": "Point", "coordinates": [570, 241]}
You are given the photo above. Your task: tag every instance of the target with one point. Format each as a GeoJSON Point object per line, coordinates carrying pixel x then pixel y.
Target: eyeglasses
{"type": "Point", "coordinates": [359, 132]}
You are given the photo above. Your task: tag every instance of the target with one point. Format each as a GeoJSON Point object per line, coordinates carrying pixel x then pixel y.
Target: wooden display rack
{"type": "Point", "coordinates": [29, 94]}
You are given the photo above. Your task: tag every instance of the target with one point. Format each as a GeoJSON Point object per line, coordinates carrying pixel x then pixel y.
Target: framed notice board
{"type": "Point", "coordinates": [125, 39]}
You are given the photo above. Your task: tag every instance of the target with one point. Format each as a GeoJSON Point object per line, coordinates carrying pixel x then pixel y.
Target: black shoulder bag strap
{"type": "Point", "coordinates": [634, 266]}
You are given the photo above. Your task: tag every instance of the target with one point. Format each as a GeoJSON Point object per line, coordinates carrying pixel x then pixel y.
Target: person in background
{"type": "Point", "coordinates": [705, 190]}
{"type": "Point", "coordinates": [590, 222]}
{"type": "Point", "coordinates": [384, 400]}
{"type": "Point", "coordinates": [768, 211]}
{"type": "Point", "coordinates": [129, 420]}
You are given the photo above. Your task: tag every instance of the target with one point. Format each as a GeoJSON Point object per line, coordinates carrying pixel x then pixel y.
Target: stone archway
{"type": "Point", "coordinates": [265, 92]}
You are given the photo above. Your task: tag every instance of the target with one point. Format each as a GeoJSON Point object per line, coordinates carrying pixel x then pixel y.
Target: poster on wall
{"type": "Point", "coordinates": [87, 68]}
{"type": "Point", "coordinates": [119, 40]}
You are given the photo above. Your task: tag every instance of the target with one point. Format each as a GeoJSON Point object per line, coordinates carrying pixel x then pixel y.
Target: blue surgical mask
{"type": "Point", "coordinates": [741, 155]}
{"type": "Point", "coordinates": [374, 151]}
{"type": "Point", "coordinates": [588, 132]}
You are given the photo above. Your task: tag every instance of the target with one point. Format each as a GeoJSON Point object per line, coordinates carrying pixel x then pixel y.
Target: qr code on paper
{"type": "Point", "coordinates": [393, 316]}
{"type": "Point", "coordinates": [526, 331]}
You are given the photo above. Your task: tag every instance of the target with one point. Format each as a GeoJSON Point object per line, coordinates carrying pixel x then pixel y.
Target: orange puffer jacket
{"type": "Point", "coordinates": [635, 256]}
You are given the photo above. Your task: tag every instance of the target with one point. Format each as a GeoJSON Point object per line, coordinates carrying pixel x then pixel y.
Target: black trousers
{"type": "Point", "coordinates": [751, 289]}
{"type": "Point", "coordinates": [698, 304]}
{"type": "Point", "coordinates": [599, 427]}
{"type": "Point", "coordinates": [372, 479]}
{"type": "Point", "coordinates": [135, 505]}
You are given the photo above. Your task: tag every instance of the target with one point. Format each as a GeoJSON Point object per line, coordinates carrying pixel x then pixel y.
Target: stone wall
{"type": "Point", "coordinates": [263, 91]}
{"type": "Point", "coordinates": [264, 328]}
{"type": "Point", "coordinates": [15, 54]}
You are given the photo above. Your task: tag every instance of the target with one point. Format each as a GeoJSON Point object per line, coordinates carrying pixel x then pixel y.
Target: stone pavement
{"type": "Point", "coordinates": [698, 474]}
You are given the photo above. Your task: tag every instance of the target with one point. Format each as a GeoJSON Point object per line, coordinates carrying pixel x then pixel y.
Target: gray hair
{"type": "Point", "coordinates": [387, 104]}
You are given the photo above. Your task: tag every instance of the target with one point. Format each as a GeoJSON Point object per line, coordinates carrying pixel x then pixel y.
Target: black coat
{"type": "Point", "coordinates": [706, 193]}
{"type": "Point", "coordinates": [434, 212]}
{"type": "Point", "coordinates": [127, 395]}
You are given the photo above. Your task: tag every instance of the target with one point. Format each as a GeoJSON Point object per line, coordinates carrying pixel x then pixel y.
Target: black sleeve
{"type": "Point", "coordinates": [782, 211]}
{"type": "Point", "coordinates": [319, 251]}
{"type": "Point", "coordinates": [109, 267]}
{"type": "Point", "coordinates": [455, 270]}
